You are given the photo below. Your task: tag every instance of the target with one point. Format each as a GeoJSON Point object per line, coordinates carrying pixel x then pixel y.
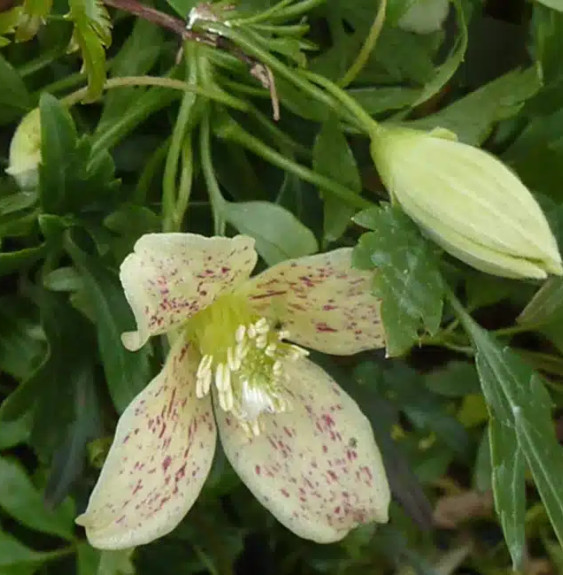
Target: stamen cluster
{"type": "Point", "coordinates": [250, 380]}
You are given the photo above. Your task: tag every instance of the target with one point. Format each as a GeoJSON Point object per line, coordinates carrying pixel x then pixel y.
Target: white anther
{"type": "Point", "coordinates": [240, 352]}
{"type": "Point", "coordinates": [226, 399]}
{"type": "Point", "coordinates": [270, 350]}
{"type": "Point", "coordinates": [297, 352]}
{"type": "Point", "coordinates": [261, 341]}
{"type": "Point", "coordinates": [240, 333]}
{"type": "Point", "coordinates": [231, 359]}
{"type": "Point", "coordinates": [222, 377]}
{"type": "Point", "coordinates": [204, 365]}
{"type": "Point", "coordinates": [206, 382]}
{"type": "Point", "coordinates": [251, 332]}
{"type": "Point", "coordinates": [261, 326]}
{"type": "Point", "coordinates": [277, 368]}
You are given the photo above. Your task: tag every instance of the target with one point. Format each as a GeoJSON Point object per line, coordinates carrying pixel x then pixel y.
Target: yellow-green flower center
{"type": "Point", "coordinates": [244, 355]}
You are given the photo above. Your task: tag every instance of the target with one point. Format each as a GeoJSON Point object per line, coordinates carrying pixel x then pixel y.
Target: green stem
{"type": "Point", "coordinates": [516, 329]}
{"type": "Point", "coordinates": [215, 196]}
{"type": "Point", "coordinates": [297, 10]}
{"type": "Point", "coordinates": [186, 182]}
{"type": "Point", "coordinates": [364, 120]}
{"type": "Point", "coordinates": [230, 130]}
{"type": "Point", "coordinates": [147, 104]}
{"type": "Point", "coordinates": [179, 133]}
{"type": "Point", "coordinates": [289, 30]}
{"type": "Point", "coordinates": [262, 16]}
{"type": "Point", "coordinates": [262, 55]}
{"type": "Point", "coordinates": [285, 143]}
{"type": "Point", "coordinates": [147, 176]}
{"type": "Point", "coordinates": [40, 62]}
{"type": "Point", "coordinates": [170, 83]}
{"type": "Point", "coordinates": [367, 48]}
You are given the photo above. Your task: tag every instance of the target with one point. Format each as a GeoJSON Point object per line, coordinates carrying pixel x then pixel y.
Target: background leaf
{"type": "Point", "coordinates": [406, 278]}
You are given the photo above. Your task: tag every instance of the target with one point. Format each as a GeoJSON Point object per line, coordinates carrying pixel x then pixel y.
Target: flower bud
{"type": "Point", "coordinates": [424, 16]}
{"type": "Point", "coordinates": [467, 201]}
{"type": "Point", "coordinates": [25, 151]}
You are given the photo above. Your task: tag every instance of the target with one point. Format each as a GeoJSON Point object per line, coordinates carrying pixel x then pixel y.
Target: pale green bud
{"type": "Point", "coordinates": [25, 151]}
{"type": "Point", "coordinates": [467, 201]}
{"type": "Point", "coordinates": [424, 16]}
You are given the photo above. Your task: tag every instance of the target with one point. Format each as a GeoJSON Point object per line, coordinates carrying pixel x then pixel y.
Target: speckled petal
{"type": "Point", "coordinates": [317, 467]}
{"type": "Point", "coordinates": [170, 277]}
{"type": "Point", "coordinates": [322, 301]}
{"type": "Point", "coordinates": [160, 457]}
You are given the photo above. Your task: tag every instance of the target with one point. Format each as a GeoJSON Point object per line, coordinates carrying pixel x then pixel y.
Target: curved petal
{"type": "Point", "coordinates": [170, 277]}
{"type": "Point", "coordinates": [316, 467]}
{"type": "Point", "coordinates": [160, 457]}
{"type": "Point", "coordinates": [322, 301]}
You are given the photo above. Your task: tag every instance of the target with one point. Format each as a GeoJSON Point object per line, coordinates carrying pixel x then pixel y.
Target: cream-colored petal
{"type": "Point", "coordinates": [170, 277]}
{"type": "Point", "coordinates": [316, 467]}
{"type": "Point", "coordinates": [160, 457]}
{"type": "Point", "coordinates": [322, 301]}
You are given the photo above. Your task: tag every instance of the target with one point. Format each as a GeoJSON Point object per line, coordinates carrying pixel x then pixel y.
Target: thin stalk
{"type": "Point", "coordinates": [297, 10]}
{"type": "Point", "coordinates": [186, 182]}
{"type": "Point", "coordinates": [158, 81]}
{"type": "Point", "coordinates": [233, 131]}
{"type": "Point", "coordinates": [367, 48]}
{"type": "Point", "coordinates": [178, 135]}
{"type": "Point", "coordinates": [364, 120]}
{"type": "Point", "coordinates": [289, 30]}
{"type": "Point", "coordinates": [264, 15]}
{"type": "Point", "coordinates": [262, 55]}
{"type": "Point", "coordinates": [148, 174]}
{"type": "Point", "coordinates": [215, 196]}
{"type": "Point", "coordinates": [40, 62]}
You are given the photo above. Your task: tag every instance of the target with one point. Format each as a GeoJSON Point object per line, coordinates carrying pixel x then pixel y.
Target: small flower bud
{"type": "Point", "coordinates": [467, 201]}
{"type": "Point", "coordinates": [25, 151]}
{"type": "Point", "coordinates": [424, 16]}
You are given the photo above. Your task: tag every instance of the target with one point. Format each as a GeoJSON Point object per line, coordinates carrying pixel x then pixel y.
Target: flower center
{"type": "Point", "coordinates": [243, 354]}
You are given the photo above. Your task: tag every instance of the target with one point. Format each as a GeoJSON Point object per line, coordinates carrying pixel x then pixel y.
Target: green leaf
{"type": "Point", "coordinates": [126, 372]}
{"type": "Point", "coordinates": [553, 4]}
{"type": "Point", "coordinates": [333, 157]}
{"type": "Point", "coordinates": [16, 554]}
{"type": "Point", "coordinates": [136, 57]}
{"type": "Point", "coordinates": [509, 487]}
{"type": "Point", "coordinates": [473, 117]}
{"type": "Point", "coordinates": [11, 262]}
{"type": "Point", "coordinates": [34, 13]}
{"type": "Point", "coordinates": [24, 502]}
{"type": "Point", "coordinates": [21, 344]}
{"type": "Point", "coordinates": [445, 71]}
{"type": "Point", "coordinates": [278, 233]}
{"type": "Point", "coordinates": [116, 563]}
{"type": "Point", "coordinates": [8, 22]}
{"type": "Point", "coordinates": [456, 379]}
{"type": "Point", "coordinates": [546, 307]}
{"type": "Point", "coordinates": [517, 398]}
{"type": "Point", "coordinates": [92, 33]}
{"type": "Point", "coordinates": [407, 277]}
{"type": "Point", "coordinates": [183, 7]}
{"type": "Point", "coordinates": [69, 338]}
{"type": "Point", "coordinates": [58, 142]}
{"type": "Point", "coordinates": [68, 461]}
{"type": "Point", "coordinates": [68, 165]}
{"type": "Point", "coordinates": [15, 99]}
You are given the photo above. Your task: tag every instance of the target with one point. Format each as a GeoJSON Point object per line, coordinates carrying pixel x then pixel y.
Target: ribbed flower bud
{"type": "Point", "coordinates": [25, 151]}
{"type": "Point", "coordinates": [467, 201]}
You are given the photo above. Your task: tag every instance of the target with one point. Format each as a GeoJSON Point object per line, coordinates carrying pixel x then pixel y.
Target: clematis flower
{"type": "Point", "coordinates": [296, 439]}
